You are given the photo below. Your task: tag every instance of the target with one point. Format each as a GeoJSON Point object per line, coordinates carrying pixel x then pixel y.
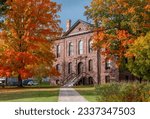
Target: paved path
{"type": "Point", "coordinates": [70, 95]}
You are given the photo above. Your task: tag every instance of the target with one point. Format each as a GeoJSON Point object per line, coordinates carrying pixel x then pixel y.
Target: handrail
{"type": "Point", "coordinates": [68, 77]}
{"type": "Point", "coordinates": [81, 75]}
{"type": "Point", "coordinates": [73, 80]}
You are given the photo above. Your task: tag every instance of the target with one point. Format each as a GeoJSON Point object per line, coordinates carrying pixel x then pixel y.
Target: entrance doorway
{"type": "Point", "coordinates": [86, 81]}
{"type": "Point", "coordinates": [90, 81]}
{"type": "Point", "coordinates": [82, 81]}
{"type": "Point", "coordinates": [80, 68]}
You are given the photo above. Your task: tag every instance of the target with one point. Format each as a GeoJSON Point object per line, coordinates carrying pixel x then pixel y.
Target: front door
{"type": "Point", "coordinates": [80, 68]}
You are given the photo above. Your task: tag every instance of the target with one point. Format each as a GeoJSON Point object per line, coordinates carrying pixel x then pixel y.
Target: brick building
{"type": "Point", "coordinates": [77, 62]}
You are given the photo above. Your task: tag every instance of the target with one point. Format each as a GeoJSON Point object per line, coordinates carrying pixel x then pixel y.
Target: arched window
{"type": "Point", "coordinates": [58, 51]}
{"type": "Point", "coordinates": [90, 65]}
{"type": "Point", "coordinates": [90, 46]}
{"type": "Point", "coordinates": [70, 49]}
{"type": "Point", "coordinates": [80, 47]}
{"type": "Point", "coordinates": [58, 68]}
{"type": "Point", "coordinates": [69, 68]}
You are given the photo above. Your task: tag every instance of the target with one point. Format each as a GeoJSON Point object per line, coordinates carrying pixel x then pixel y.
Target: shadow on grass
{"type": "Point", "coordinates": [28, 87]}
{"type": "Point", "coordinates": [33, 95]}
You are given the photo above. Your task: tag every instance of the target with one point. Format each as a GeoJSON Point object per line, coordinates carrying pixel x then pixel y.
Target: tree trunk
{"type": "Point", "coordinates": [98, 67]}
{"type": "Point", "coordinates": [3, 84]}
{"type": "Point", "coordinates": [19, 81]}
{"type": "Point", "coordinates": [140, 80]}
{"type": "Point", "coordinates": [6, 81]}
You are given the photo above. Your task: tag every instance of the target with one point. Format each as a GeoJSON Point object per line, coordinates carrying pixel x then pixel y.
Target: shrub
{"type": "Point", "coordinates": [108, 92]}
{"type": "Point", "coordinates": [123, 92]}
{"type": "Point", "coordinates": [130, 92]}
{"type": "Point", "coordinates": [145, 92]}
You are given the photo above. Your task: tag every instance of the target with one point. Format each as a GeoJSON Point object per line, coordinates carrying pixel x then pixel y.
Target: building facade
{"type": "Point", "coordinates": [76, 59]}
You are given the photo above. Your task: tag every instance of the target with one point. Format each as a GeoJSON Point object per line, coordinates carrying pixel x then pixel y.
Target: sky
{"type": "Point", "coordinates": [72, 9]}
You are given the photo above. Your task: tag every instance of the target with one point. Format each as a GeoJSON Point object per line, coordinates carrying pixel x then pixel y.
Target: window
{"type": "Point", "coordinates": [108, 64]}
{"type": "Point", "coordinates": [58, 68]}
{"type": "Point", "coordinates": [80, 47]}
{"type": "Point", "coordinates": [69, 68]}
{"type": "Point", "coordinates": [70, 49]}
{"type": "Point", "coordinates": [79, 29]}
{"type": "Point", "coordinates": [90, 65]}
{"type": "Point", "coordinates": [90, 46]}
{"type": "Point", "coordinates": [107, 79]}
{"type": "Point", "coordinates": [58, 51]}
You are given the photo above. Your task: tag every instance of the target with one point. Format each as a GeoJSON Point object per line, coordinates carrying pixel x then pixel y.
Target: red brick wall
{"type": "Point", "coordinates": [64, 59]}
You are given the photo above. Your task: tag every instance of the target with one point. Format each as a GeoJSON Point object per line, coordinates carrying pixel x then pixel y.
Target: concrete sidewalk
{"type": "Point", "coordinates": [70, 95]}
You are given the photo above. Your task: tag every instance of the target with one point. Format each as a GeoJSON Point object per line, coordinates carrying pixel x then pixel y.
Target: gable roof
{"type": "Point", "coordinates": [74, 25]}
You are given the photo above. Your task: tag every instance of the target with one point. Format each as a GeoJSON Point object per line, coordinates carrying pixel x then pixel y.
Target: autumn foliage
{"type": "Point", "coordinates": [117, 24]}
{"type": "Point", "coordinates": [27, 37]}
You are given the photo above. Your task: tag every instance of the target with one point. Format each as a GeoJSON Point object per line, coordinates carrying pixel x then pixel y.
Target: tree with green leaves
{"type": "Point", "coordinates": [140, 65]}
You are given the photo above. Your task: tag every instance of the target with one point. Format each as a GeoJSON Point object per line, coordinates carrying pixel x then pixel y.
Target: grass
{"type": "Point", "coordinates": [88, 92]}
{"type": "Point", "coordinates": [43, 85]}
{"type": "Point", "coordinates": [29, 94]}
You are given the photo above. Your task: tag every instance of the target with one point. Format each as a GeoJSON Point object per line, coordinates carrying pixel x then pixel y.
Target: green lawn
{"type": "Point", "coordinates": [29, 95]}
{"type": "Point", "coordinates": [43, 85]}
{"type": "Point", "coordinates": [88, 92]}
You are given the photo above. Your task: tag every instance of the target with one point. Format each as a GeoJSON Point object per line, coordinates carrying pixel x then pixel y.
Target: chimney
{"type": "Point", "coordinates": [68, 24]}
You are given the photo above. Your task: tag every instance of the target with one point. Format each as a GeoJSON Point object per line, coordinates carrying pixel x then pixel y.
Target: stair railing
{"type": "Point", "coordinates": [72, 75]}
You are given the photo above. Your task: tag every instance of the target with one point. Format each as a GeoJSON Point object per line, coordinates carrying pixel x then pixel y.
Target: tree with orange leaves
{"type": "Point", "coordinates": [27, 37]}
{"type": "Point", "coordinates": [117, 24]}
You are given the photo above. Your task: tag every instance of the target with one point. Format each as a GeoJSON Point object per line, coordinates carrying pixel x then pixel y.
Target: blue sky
{"type": "Point", "coordinates": [72, 9]}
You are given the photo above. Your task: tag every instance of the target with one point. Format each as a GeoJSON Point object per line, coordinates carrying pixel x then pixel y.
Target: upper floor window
{"type": "Point", "coordinates": [90, 65]}
{"type": "Point", "coordinates": [90, 46]}
{"type": "Point", "coordinates": [108, 64]}
{"type": "Point", "coordinates": [69, 68]}
{"type": "Point", "coordinates": [80, 47]}
{"type": "Point", "coordinates": [70, 49]}
{"type": "Point", "coordinates": [58, 68]}
{"type": "Point", "coordinates": [58, 51]}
